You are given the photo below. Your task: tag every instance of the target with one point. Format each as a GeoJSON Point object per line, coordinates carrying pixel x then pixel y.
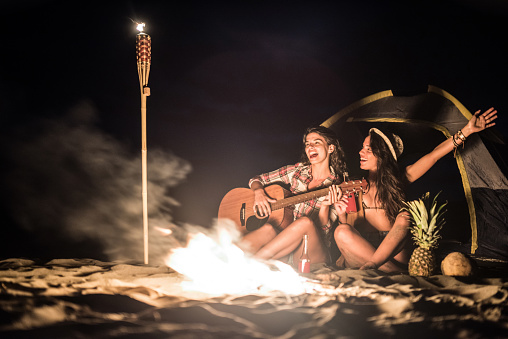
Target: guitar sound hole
{"type": "Point", "coordinates": [254, 223]}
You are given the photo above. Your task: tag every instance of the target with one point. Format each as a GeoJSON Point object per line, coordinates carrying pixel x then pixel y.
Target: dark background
{"type": "Point", "coordinates": [234, 85]}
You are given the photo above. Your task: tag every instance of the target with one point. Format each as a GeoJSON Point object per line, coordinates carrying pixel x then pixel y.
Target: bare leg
{"type": "Point", "coordinates": [254, 240]}
{"type": "Point", "coordinates": [356, 250]}
{"type": "Point", "coordinates": [290, 239]}
{"type": "Point", "coordinates": [395, 247]}
{"type": "Point", "coordinates": [353, 247]}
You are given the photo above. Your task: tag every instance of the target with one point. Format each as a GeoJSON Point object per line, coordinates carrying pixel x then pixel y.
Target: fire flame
{"type": "Point", "coordinates": [216, 266]}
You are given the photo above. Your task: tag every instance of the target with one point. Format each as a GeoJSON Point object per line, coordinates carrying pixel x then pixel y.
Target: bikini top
{"type": "Point", "coordinates": [365, 207]}
{"type": "Point", "coordinates": [356, 219]}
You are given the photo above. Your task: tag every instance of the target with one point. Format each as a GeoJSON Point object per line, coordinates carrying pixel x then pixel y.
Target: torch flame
{"type": "Point", "coordinates": [140, 26]}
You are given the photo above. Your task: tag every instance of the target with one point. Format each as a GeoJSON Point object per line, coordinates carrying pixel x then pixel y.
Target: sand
{"type": "Point", "coordinates": [86, 298]}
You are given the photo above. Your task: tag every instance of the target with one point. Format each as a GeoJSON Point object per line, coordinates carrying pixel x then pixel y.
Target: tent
{"type": "Point", "coordinates": [474, 182]}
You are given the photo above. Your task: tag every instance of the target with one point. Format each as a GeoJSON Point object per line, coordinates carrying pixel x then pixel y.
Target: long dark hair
{"type": "Point", "coordinates": [337, 157]}
{"type": "Point", "coordinates": [390, 179]}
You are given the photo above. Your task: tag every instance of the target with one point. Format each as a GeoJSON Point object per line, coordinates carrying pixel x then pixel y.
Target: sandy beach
{"type": "Point", "coordinates": [85, 298]}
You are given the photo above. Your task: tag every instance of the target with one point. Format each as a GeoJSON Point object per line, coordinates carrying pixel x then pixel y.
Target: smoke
{"type": "Point", "coordinates": [74, 191]}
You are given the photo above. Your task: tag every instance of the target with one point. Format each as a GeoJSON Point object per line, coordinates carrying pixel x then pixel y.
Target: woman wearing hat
{"type": "Point", "coordinates": [378, 238]}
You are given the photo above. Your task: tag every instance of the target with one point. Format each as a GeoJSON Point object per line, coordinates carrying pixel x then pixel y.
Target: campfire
{"type": "Point", "coordinates": [214, 265]}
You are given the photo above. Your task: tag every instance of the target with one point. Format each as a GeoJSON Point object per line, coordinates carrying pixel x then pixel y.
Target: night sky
{"type": "Point", "coordinates": [233, 84]}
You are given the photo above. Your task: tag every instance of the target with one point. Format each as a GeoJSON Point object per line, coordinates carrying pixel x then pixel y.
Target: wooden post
{"type": "Point", "coordinates": [143, 49]}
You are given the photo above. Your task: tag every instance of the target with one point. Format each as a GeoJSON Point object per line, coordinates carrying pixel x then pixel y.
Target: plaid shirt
{"type": "Point", "coordinates": [296, 179]}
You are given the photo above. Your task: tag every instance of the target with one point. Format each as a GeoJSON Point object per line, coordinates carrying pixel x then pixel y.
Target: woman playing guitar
{"type": "Point", "coordinates": [322, 165]}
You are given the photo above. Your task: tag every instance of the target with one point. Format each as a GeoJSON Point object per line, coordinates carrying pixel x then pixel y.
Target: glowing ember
{"type": "Point", "coordinates": [164, 231]}
{"type": "Point", "coordinates": [218, 267]}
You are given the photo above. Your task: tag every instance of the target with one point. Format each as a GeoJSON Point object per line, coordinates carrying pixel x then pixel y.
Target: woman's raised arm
{"type": "Point", "coordinates": [477, 123]}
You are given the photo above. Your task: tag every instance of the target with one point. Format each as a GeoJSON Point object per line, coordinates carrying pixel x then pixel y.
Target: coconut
{"type": "Point", "coordinates": [457, 264]}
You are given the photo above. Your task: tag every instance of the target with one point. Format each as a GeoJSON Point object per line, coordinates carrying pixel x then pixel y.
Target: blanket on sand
{"type": "Point", "coordinates": [81, 298]}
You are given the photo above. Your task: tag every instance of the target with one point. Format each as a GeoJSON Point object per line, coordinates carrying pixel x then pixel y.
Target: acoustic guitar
{"type": "Point", "coordinates": [237, 204]}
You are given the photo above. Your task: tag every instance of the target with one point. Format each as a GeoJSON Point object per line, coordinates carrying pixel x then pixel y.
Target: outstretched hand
{"type": "Point", "coordinates": [479, 122]}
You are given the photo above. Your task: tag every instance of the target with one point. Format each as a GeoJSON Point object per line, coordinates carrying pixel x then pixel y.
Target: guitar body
{"type": "Point", "coordinates": [237, 205]}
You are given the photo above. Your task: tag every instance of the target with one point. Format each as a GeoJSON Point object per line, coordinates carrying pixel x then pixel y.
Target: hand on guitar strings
{"type": "Point", "coordinates": [336, 198]}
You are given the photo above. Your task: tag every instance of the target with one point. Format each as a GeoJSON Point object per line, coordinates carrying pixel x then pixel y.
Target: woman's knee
{"type": "Point", "coordinates": [267, 230]}
{"type": "Point", "coordinates": [304, 223]}
{"type": "Point", "coordinates": [263, 233]}
{"type": "Point", "coordinates": [343, 234]}
{"type": "Point", "coordinates": [305, 220]}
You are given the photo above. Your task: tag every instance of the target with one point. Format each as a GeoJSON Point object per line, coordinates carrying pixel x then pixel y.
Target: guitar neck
{"type": "Point", "coordinates": [346, 187]}
{"type": "Point", "coordinates": [290, 201]}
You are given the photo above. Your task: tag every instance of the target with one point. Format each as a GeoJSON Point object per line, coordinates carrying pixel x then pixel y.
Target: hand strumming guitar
{"type": "Point", "coordinates": [262, 201]}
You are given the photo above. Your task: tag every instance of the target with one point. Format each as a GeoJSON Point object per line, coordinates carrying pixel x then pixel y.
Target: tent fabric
{"type": "Point", "coordinates": [472, 182]}
{"type": "Point", "coordinates": [490, 223]}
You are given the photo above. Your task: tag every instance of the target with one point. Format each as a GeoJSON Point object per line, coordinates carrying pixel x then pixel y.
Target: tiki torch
{"type": "Point", "coordinates": [144, 58]}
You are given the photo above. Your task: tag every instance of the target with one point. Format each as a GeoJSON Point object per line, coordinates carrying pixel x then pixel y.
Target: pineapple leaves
{"type": "Point", "coordinates": [427, 219]}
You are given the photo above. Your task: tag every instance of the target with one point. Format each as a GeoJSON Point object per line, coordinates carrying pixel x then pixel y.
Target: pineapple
{"type": "Point", "coordinates": [426, 221]}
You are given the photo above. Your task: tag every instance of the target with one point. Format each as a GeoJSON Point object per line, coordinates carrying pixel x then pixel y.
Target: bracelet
{"type": "Point", "coordinates": [455, 138]}
{"type": "Point", "coordinates": [461, 135]}
{"type": "Point", "coordinates": [455, 144]}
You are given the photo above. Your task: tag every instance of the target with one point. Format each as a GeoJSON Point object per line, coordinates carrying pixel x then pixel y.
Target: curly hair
{"type": "Point", "coordinates": [390, 179]}
{"type": "Point", "coordinates": [337, 157]}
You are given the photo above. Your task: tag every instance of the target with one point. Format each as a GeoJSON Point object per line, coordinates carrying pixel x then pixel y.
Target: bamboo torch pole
{"type": "Point", "coordinates": [144, 58]}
